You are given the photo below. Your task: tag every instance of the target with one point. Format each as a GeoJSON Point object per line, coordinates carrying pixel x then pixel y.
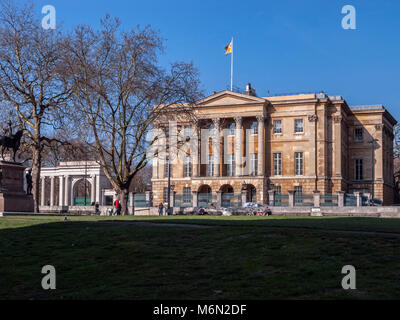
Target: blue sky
{"type": "Point", "coordinates": [281, 46]}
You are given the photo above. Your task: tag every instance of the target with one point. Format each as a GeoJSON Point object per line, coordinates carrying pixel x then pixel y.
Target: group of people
{"type": "Point", "coordinates": [115, 212]}
{"type": "Point", "coordinates": [162, 209]}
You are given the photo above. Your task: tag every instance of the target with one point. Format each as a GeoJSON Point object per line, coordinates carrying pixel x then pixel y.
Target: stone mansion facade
{"type": "Point", "coordinates": [303, 142]}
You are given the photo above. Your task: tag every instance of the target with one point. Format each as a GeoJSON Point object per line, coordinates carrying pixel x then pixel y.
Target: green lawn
{"type": "Point", "coordinates": [233, 258]}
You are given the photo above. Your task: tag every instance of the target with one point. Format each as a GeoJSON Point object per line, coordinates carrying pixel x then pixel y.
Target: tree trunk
{"type": "Point", "coordinates": [36, 166]}
{"type": "Point", "coordinates": [123, 197]}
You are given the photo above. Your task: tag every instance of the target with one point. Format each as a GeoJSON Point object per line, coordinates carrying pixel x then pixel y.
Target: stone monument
{"type": "Point", "coordinates": [13, 197]}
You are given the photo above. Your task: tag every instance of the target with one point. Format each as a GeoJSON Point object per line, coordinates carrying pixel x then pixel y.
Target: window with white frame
{"type": "Point", "coordinates": [210, 171]}
{"type": "Point", "coordinates": [277, 126]}
{"type": "Point", "coordinates": [298, 163]}
{"type": "Point", "coordinates": [188, 166]}
{"type": "Point", "coordinates": [298, 126]}
{"type": "Point", "coordinates": [277, 164]}
{"type": "Point", "coordinates": [359, 169]}
{"type": "Point", "coordinates": [187, 195]}
{"type": "Point", "coordinates": [254, 128]}
{"type": "Point", "coordinates": [230, 167]}
{"type": "Point", "coordinates": [358, 134]}
{"type": "Point", "coordinates": [298, 194]}
{"type": "Point", "coordinates": [253, 164]}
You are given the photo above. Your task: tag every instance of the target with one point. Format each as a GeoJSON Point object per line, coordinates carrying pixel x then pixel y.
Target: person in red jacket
{"type": "Point", "coordinates": [117, 206]}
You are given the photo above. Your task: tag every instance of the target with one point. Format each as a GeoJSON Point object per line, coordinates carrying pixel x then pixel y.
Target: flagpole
{"type": "Point", "coordinates": [232, 67]}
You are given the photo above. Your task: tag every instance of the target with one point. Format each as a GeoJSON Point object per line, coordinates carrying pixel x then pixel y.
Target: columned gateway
{"type": "Point", "coordinates": [78, 183]}
{"type": "Point", "coordinates": [301, 143]}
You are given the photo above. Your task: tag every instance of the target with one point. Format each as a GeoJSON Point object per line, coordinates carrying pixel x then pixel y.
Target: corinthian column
{"type": "Point", "coordinates": [195, 152]}
{"type": "Point", "coordinates": [261, 144]}
{"type": "Point", "coordinates": [216, 146]}
{"type": "Point", "coordinates": [238, 146]}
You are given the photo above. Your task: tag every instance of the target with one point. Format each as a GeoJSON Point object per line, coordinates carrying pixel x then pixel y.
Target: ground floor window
{"type": "Point", "coordinates": [298, 193]}
{"type": "Point", "coordinates": [187, 195]}
{"type": "Point", "coordinates": [165, 196]}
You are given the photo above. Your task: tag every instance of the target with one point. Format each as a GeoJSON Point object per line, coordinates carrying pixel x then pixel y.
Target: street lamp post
{"type": "Point", "coordinates": [169, 186]}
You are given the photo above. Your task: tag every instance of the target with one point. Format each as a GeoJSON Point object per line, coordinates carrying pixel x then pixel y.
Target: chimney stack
{"type": "Point", "coordinates": [250, 91]}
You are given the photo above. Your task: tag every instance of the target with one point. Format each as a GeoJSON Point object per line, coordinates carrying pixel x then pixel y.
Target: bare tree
{"type": "Point", "coordinates": [121, 91]}
{"type": "Point", "coordinates": [30, 78]}
{"type": "Point", "coordinates": [141, 182]}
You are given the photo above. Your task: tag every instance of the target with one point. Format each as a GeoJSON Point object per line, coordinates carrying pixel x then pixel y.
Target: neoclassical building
{"type": "Point", "coordinates": [303, 142]}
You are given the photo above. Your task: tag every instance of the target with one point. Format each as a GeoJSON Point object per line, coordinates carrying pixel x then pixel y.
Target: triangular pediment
{"type": "Point", "coordinates": [229, 98]}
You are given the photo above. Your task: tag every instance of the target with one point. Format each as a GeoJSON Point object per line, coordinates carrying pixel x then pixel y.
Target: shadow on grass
{"type": "Point", "coordinates": [114, 258]}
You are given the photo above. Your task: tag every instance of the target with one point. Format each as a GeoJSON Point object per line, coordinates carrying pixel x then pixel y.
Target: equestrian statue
{"type": "Point", "coordinates": [11, 141]}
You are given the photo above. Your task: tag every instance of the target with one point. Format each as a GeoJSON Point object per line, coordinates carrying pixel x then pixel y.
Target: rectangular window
{"type": "Point", "coordinates": [187, 195]}
{"type": "Point", "coordinates": [277, 164]}
{"type": "Point", "coordinates": [359, 169]}
{"type": "Point", "coordinates": [298, 193]}
{"type": "Point", "coordinates": [298, 163]}
{"type": "Point", "coordinates": [253, 164]}
{"type": "Point", "coordinates": [358, 134]}
{"type": "Point", "coordinates": [230, 167]}
{"type": "Point", "coordinates": [278, 196]}
{"type": "Point", "coordinates": [210, 172]}
{"type": "Point", "coordinates": [188, 166]}
{"type": "Point", "coordinates": [277, 126]}
{"type": "Point", "coordinates": [166, 167]}
{"type": "Point", "coordinates": [165, 195]}
{"type": "Point", "coordinates": [298, 126]}
{"type": "Point", "coordinates": [254, 128]}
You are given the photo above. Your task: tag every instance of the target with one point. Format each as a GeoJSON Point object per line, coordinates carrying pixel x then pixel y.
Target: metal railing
{"type": "Point", "coordinates": [303, 200]}
{"type": "Point", "coordinates": [281, 200]}
{"type": "Point", "coordinates": [231, 200]}
{"type": "Point", "coordinates": [329, 200]}
{"type": "Point", "coordinates": [350, 200]}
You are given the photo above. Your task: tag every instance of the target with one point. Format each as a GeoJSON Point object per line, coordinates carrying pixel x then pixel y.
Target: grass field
{"type": "Point", "coordinates": [199, 257]}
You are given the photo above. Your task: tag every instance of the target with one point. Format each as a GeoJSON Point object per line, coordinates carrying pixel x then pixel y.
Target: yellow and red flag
{"type": "Point", "coordinates": [228, 48]}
